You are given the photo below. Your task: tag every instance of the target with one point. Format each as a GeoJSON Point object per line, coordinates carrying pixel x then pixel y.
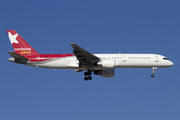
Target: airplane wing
{"type": "Point", "coordinates": [82, 55]}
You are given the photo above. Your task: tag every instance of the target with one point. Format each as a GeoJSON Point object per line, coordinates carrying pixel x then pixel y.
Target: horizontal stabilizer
{"type": "Point", "coordinates": [17, 56]}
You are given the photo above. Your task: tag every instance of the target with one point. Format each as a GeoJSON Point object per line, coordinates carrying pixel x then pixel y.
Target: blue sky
{"type": "Point", "coordinates": [29, 93]}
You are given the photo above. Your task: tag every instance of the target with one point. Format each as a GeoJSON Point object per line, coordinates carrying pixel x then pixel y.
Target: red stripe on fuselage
{"type": "Point", "coordinates": [45, 57]}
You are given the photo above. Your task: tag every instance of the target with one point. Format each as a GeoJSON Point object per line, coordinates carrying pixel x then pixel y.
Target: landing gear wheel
{"type": "Point", "coordinates": [85, 78]}
{"type": "Point", "coordinates": [89, 77]}
{"type": "Point", "coordinates": [152, 75]}
{"type": "Point", "coordinates": [89, 73]}
{"type": "Point", "coordinates": [85, 73]}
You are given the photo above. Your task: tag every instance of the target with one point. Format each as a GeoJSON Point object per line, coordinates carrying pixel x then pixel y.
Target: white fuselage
{"type": "Point", "coordinates": [82, 60]}
{"type": "Point", "coordinates": [108, 61]}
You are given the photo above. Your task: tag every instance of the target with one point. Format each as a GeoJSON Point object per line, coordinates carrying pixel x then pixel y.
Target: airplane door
{"type": "Point", "coordinates": [156, 59]}
{"type": "Point", "coordinates": [123, 58]}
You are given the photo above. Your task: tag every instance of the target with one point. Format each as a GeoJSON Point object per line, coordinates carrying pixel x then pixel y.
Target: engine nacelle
{"type": "Point", "coordinates": [105, 73]}
{"type": "Point", "coordinates": [107, 63]}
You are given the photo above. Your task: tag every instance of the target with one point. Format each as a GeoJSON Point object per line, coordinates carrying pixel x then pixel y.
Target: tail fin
{"type": "Point", "coordinates": [20, 46]}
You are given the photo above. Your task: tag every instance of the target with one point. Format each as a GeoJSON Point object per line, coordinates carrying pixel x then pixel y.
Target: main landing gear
{"type": "Point", "coordinates": [153, 71]}
{"type": "Point", "coordinates": [87, 75]}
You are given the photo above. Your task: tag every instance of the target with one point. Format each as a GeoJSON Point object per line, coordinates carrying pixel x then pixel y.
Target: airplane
{"type": "Point", "coordinates": [82, 60]}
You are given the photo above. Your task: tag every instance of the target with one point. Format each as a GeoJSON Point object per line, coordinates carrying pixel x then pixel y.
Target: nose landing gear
{"type": "Point", "coordinates": [88, 74]}
{"type": "Point", "coordinates": [153, 71]}
{"type": "Point", "coordinates": [152, 75]}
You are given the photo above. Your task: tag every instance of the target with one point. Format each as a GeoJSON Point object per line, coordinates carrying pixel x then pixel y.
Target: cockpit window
{"type": "Point", "coordinates": [165, 59]}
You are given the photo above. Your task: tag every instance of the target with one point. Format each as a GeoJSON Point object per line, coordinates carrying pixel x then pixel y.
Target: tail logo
{"type": "Point", "coordinates": [13, 38]}
{"type": "Point", "coordinates": [23, 50]}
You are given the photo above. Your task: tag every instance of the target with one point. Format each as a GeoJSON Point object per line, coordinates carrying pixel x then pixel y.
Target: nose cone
{"type": "Point", "coordinates": [171, 63]}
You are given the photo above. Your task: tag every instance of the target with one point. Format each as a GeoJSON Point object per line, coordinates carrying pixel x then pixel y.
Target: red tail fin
{"type": "Point", "coordinates": [19, 44]}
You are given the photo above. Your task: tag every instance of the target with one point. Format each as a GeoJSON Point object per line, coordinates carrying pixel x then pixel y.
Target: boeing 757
{"type": "Point", "coordinates": [82, 60]}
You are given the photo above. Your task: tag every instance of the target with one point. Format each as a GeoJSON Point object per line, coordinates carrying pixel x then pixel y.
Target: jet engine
{"type": "Point", "coordinates": [105, 73]}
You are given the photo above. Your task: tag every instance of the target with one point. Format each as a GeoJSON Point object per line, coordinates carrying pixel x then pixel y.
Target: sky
{"type": "Point", "coordinates": [98, 26]}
